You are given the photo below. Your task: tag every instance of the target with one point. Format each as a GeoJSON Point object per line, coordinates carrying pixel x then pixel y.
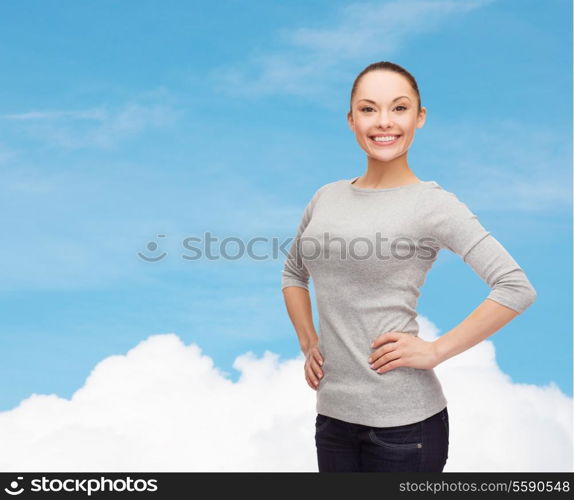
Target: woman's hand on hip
{"type": "Point", "coordinates": [394, 349]}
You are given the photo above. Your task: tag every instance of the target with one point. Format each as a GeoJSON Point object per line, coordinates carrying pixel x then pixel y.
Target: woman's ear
{"type": "Point", "coordinates": [421, 119]}
{"type": "Point", "coordinates": [350, 121]}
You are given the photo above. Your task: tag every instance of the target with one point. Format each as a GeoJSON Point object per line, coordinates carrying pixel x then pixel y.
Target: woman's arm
{"type": "Point", "coordinates": [295, 282]}
{"type": "Point", "coordinates": [455, 227]}
{"type": "Point", "coordinates": [486, 319]}
{"type": "Point", "coordinates": [403, 349]}
{"type": "Point", "coordinates": [295, 287]}
{"type": "Point", "coordinates": [511, 294]}
{"type": "Point", "coordinates": [298, 304]}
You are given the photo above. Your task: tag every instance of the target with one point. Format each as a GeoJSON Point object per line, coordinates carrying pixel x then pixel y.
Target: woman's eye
{"type": "Point", "coordinates": [369, 107]}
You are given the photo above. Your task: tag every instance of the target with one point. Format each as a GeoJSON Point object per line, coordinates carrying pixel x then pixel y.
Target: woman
{"type": "Point", "coordinates": [368, 243]}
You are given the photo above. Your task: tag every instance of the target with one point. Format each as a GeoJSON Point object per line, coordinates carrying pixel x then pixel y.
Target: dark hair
{"type": "Point", "coordinates": [389, 66]}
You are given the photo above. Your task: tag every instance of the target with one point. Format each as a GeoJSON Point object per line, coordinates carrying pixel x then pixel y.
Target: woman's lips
{"type": "Point", "coordinates": [386, 143]}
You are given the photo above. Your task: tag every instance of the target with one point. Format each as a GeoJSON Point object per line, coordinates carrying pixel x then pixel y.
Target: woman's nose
{"type": "Point", "coordinates": [385, 121]}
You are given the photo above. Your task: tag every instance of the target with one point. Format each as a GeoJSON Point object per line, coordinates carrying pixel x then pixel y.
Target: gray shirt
{"type": "Point", "coordinates": [368, 252]}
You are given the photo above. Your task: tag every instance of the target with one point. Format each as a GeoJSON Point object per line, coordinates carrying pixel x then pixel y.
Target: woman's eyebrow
{"type": "Point", "coordinates": [395, 99]}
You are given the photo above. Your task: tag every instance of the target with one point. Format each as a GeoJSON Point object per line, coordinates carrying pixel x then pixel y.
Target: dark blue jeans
{"type": "Point", "coordinates": [346, 447]}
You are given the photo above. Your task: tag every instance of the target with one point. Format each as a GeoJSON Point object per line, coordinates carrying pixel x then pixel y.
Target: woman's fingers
{"type": "Point", "coordinates": [309, 376]}
{"type": "Point", "coordinates": [386, 358]}
{"type": "Point", "coordinates": [317, 356]}
{"type": "Point", "coordinates": [311, 379]}
{"type": "Point", "coordinates": [380, 352]}
{"type": "Point", "coordinates": [313, 371]}
{"type": "Point", "coordinates": [313, 375]}
{"type": "Point", "coordinates": [316, 368]}
{"type": "Point", "coordinates": [309, 383]}
{"type": "Point", "coordinates": [317, 359]}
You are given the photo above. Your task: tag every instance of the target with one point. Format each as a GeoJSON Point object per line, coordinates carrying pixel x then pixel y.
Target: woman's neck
{"type": "Point", "coordinates": [382, 180]}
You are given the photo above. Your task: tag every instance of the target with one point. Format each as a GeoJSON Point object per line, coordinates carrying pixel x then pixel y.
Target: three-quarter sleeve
{"type": "Point", "coordinates": [295, 273]}
{"type": "Point", "coordinates": [454, 226]}
{"type": "Point", "coordinates": [507, 280]}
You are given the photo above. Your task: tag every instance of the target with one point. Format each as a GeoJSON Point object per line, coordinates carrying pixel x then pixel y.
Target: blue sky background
{"type": "Point", "coordinates": [123, 120]}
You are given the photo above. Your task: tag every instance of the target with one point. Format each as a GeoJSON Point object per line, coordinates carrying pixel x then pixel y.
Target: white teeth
{"type": "Point", "coordinates": [386, 138]}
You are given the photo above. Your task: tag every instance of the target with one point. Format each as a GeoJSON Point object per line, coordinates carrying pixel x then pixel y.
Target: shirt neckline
{"type": "Point", "coordinates": [383, 190]}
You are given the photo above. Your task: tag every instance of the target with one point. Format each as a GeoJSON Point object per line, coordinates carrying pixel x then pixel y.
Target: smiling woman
{"type": "Point", "coordinates": [368, 244]}
{"type": "Point", "coordinates": [384, 114]}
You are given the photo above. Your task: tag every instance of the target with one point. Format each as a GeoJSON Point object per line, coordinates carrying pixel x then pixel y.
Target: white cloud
{"type": "Point", "coordinates": [106, 229]}
{"type": "Point", "coordinates": [501, 174]}
{"type": "Point", "coordinates": [357, 31]}
{"type": "Point", "coordinates": [164, 406]}
{"type": "Point", "coordinates": [99, 127]}
{"type": "Point", "coordinates": [86, 114]}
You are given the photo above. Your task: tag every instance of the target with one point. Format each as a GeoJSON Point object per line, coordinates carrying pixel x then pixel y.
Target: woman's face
{"type": "Point", "coordinates": [384, 105]}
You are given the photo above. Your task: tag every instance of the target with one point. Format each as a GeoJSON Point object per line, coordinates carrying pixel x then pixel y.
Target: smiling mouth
{"type": "Point", "coordinates": [385, 142]}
